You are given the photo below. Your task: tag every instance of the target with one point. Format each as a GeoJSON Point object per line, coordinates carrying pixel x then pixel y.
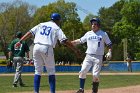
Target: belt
{"type": "Point", "coordinates": [42, 44]}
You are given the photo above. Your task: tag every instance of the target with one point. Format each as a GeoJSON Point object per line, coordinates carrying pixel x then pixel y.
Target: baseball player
{"type": "Point", "coordinates": [129, 62]}
{"type": "Point", "coordinates": [95, 39]}
{"type": "Point", "coordinates": [18, 54]}
{"type": "Point", "coordinates": [45, 37]}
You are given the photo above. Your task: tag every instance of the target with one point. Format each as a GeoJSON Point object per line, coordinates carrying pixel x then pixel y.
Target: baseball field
{"type": "Point", "coordinates": [69, 83]}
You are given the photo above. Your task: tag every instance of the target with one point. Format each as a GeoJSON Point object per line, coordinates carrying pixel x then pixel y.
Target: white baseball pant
{"type": "Point", "coordinates": [43, 55]}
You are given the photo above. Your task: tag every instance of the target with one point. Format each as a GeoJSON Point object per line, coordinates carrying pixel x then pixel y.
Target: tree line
{"type": "Point", "coordinates": [120, 21]}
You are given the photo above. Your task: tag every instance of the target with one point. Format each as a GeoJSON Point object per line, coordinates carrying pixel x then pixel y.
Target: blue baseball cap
{"type": "Point", "coordinates": [96, 20]}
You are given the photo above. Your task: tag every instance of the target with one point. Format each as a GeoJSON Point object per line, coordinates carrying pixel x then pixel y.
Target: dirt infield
{"type": "Point", "coordinates": [130, 89]}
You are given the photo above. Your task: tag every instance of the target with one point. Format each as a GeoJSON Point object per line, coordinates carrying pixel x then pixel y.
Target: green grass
{"type": "Point", "coordinates": [69, 82]}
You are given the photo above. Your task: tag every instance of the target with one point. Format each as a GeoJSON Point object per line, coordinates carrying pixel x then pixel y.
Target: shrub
{"type": "Point", "coordinates": [3, 61]}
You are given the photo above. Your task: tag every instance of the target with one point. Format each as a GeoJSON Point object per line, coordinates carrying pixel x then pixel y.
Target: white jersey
{"type": "Point", "coordinates": [95, 42]}
{"type": "Point", "coordinates": [47, 33]}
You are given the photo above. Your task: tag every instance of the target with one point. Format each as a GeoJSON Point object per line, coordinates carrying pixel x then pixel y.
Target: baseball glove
{"type": "Point", "coordinates": [9, 64]}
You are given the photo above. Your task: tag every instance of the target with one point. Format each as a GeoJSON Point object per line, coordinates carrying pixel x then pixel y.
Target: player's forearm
{"type": "Point", "coordinates": [75, 42]}
{"type": "Point", "coordinates": [26, 36]}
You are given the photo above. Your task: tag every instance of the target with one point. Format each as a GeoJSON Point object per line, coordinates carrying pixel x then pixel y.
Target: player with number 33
{"type": "Point", "coordinates": [46, 35]}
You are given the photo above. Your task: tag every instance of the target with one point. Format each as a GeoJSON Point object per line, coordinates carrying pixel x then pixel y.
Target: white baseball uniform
{"type": "Point", "coordinates": [95, 51]}
{"type": "Point", "coordinates": [46, 35]}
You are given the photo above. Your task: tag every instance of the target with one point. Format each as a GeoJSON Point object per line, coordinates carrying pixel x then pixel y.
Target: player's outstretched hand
{"type": "Point", "coordinates": [73, 43]}
{"type": "Point", "coordinates": [108, 55]}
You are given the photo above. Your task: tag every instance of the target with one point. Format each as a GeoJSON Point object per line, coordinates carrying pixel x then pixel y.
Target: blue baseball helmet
{"type": "Point", "coordinates": [55, 16]}
{"type": "Point", "coordinates": [96, 20]}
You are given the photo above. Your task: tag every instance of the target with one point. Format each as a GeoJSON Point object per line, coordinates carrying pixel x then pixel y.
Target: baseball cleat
{"type": "Point", "coordinates": [22, 85]}
{"type": "Point", "coordinates": [14, 85]}
{"type": "Point", "coordinates": [80, 91]}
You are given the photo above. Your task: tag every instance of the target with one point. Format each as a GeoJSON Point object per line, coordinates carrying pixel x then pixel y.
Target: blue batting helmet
{"type": "Point", "coordinates": [96, 20]}
{"type": "Point", "coordinates": [55, 16]}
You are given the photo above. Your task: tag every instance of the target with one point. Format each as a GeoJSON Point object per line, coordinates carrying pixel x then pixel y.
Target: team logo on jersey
{"type": "Point", "coordinates": [99, 38]}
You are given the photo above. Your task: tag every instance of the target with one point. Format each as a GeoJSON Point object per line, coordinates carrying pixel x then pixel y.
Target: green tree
{"type": "Point", "coordinates": [128, 26]}
{"type": "Point", "coordinates": [109, 16]}
{"type": "Point", "coordinates": [15, 16]}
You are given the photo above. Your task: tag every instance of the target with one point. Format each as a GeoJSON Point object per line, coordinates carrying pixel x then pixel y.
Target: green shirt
{"type": "Point", "coordinates": [18, 51]}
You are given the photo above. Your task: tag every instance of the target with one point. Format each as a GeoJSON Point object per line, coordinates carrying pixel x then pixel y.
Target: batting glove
{"type": "Point", "coordinates": [108, 55]}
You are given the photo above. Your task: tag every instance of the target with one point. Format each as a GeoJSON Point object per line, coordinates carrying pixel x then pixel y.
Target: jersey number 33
{"type": "Point", "coordinates": [45, 30]}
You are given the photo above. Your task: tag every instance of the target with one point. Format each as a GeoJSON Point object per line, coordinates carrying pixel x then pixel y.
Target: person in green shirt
{"type": "Point", "coordinates": [18, 54]}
